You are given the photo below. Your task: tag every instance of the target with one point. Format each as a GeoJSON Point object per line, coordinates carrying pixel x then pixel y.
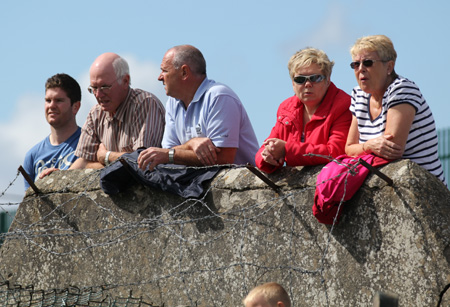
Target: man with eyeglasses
{"type": "Point", "coordinates": [206, 123]}
{"type": "Point", "coordinates": [62, 102]}
{"type": "Point", "coordinates": [124, 119]}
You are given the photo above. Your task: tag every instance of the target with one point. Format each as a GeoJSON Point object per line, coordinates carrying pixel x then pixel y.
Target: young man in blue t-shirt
{"type": "Point", "coordinates": [62, 102]}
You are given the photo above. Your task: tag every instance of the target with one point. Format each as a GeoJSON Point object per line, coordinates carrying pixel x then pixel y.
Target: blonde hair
{"type": "Point", "coordinates": [308, 56]}
{"type": "Point", "coordinates": [381, 44]}
{"type": "Point", "coordinates": [272, 293]}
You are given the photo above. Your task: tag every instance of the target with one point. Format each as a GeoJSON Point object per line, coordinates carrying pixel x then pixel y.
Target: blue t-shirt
{"type": "Point", "coordinates": [44, 155]}
{"type": "Point", "coordinates": [215, 112]}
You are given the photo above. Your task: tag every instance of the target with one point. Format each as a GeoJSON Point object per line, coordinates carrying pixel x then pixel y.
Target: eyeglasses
{"type": "Point", "coordinates": [312, 79]}
{"type": "Point", "coordinates": [366, 63]}
{"type": "Point", "coordinates": [105, 89]}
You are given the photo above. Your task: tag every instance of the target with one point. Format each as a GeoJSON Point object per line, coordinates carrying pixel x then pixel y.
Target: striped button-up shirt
{"type": "Point", "coordinates": [138, 122]}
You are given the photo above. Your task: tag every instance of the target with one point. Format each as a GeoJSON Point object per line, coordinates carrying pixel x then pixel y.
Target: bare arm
{"type": "Point", "coordinates": [196, 152]}
{"type": "Point", "coordinates": [81, 163]}
{"type": "Point", "coordinates": [391, 145]}
{"type": "Point", "coordinates": [203, 150]}
{"type": "Point", "coordinates": [101, 155]}
{"type": "Point", "coordinates": [398, 123]}
{"type": "Point", "coordinates": [352, 147]}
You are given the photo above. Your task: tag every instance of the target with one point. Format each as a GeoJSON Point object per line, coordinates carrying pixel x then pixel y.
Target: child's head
{"type": "Point", "coordinates": [269, 294]}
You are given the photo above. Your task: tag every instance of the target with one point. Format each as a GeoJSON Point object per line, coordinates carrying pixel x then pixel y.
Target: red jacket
{"type": "Point", "coordinates": [325, 134]}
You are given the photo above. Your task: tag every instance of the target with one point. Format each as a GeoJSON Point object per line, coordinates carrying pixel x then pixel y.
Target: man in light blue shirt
{"type": "Point", "coordinates": [206, 123]}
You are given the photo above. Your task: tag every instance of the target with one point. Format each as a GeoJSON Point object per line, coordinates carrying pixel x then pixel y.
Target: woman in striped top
{"type": "Point", "coordinates": [390, 116]}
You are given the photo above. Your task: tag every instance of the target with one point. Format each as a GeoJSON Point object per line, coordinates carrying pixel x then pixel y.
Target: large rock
{"type": "Point", "coordinates": [211, 252]}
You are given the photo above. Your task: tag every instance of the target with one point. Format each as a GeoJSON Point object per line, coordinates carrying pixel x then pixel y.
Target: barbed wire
{"type": "Point", "coordinates": [173, 220]}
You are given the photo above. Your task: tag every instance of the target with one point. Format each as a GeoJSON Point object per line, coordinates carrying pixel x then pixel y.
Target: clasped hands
{"type": "Point", "coordinates": [384, 147]}
{"type": "Point", "coordinates": [274, 151]}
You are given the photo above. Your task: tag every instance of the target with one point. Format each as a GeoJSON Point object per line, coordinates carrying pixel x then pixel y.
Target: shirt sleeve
{"type": "Point", "coordinates": [223, 122]}
{"type": "Point", "coordinates": [29, 168]}
{"type": "Point", "coordinates": [353, 102]}
{"type": "Point", "coordinates": [152, 130]}
{"type": "Point", "coordinates": [404, 91]}
{"type": "Point", "coordinates": [89, 141]}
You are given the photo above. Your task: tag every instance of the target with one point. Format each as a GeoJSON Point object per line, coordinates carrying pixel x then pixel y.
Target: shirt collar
{"type": "Point", "coordinates": [201, 90]}
{"type": "Point", "coordinates": [204, 86]}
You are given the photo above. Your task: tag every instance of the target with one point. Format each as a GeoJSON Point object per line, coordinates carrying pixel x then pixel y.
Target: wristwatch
{"type": "Point", "coordinates": [171, 154]}
{"type": "Point", "coordinates": [107, 158]}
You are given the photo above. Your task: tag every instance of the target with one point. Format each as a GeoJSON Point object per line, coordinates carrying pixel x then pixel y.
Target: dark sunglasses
{"type": "Point", "coordinates": [312, 79]}
{"type": "Point", "coordinates": [366, 63]}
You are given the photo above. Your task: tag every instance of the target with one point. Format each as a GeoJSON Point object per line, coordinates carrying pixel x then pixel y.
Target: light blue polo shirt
{"type": "Point", "coordinates": [215, 112]}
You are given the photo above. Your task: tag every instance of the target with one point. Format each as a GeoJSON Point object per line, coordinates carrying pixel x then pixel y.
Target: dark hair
{"type": "Point", "coordinates": [67, 84]}
{"type": "Point", "coordinates": [191, 56]}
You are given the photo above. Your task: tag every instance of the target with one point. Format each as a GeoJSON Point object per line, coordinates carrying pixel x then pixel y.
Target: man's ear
{"type": "Point", "coordinates": [126, 80]}
{"type": "Point", "coordinates": [185, 71]}
{"type": "Point", "coordinates": [280, 304]}
{"type": "Point", "coordinates": [76, 107]}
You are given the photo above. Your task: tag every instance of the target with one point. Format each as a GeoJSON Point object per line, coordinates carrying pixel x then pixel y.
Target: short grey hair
{"type": "Point", "coordinates": [191, 56]}
{"type": "Point", "coordinates": [121, 68]}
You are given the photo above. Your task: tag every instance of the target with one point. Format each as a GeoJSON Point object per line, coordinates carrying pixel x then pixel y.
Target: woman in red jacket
{"type": "Point", "coordinates": [315, 120]}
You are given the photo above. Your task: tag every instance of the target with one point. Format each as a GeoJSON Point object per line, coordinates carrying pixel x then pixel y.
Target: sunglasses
{"type": "Point", "coordinates": [366, 63]}
{"type": "Point", "coordinates": [312, 79]}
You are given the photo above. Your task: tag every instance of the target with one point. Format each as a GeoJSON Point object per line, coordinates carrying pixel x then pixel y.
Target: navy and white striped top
{"type": "Point", "coordinates": [422, 144]}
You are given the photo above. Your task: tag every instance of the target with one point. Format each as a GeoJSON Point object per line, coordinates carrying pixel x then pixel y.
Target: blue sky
{"type": "Point", "coordinates": [247, 45]}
